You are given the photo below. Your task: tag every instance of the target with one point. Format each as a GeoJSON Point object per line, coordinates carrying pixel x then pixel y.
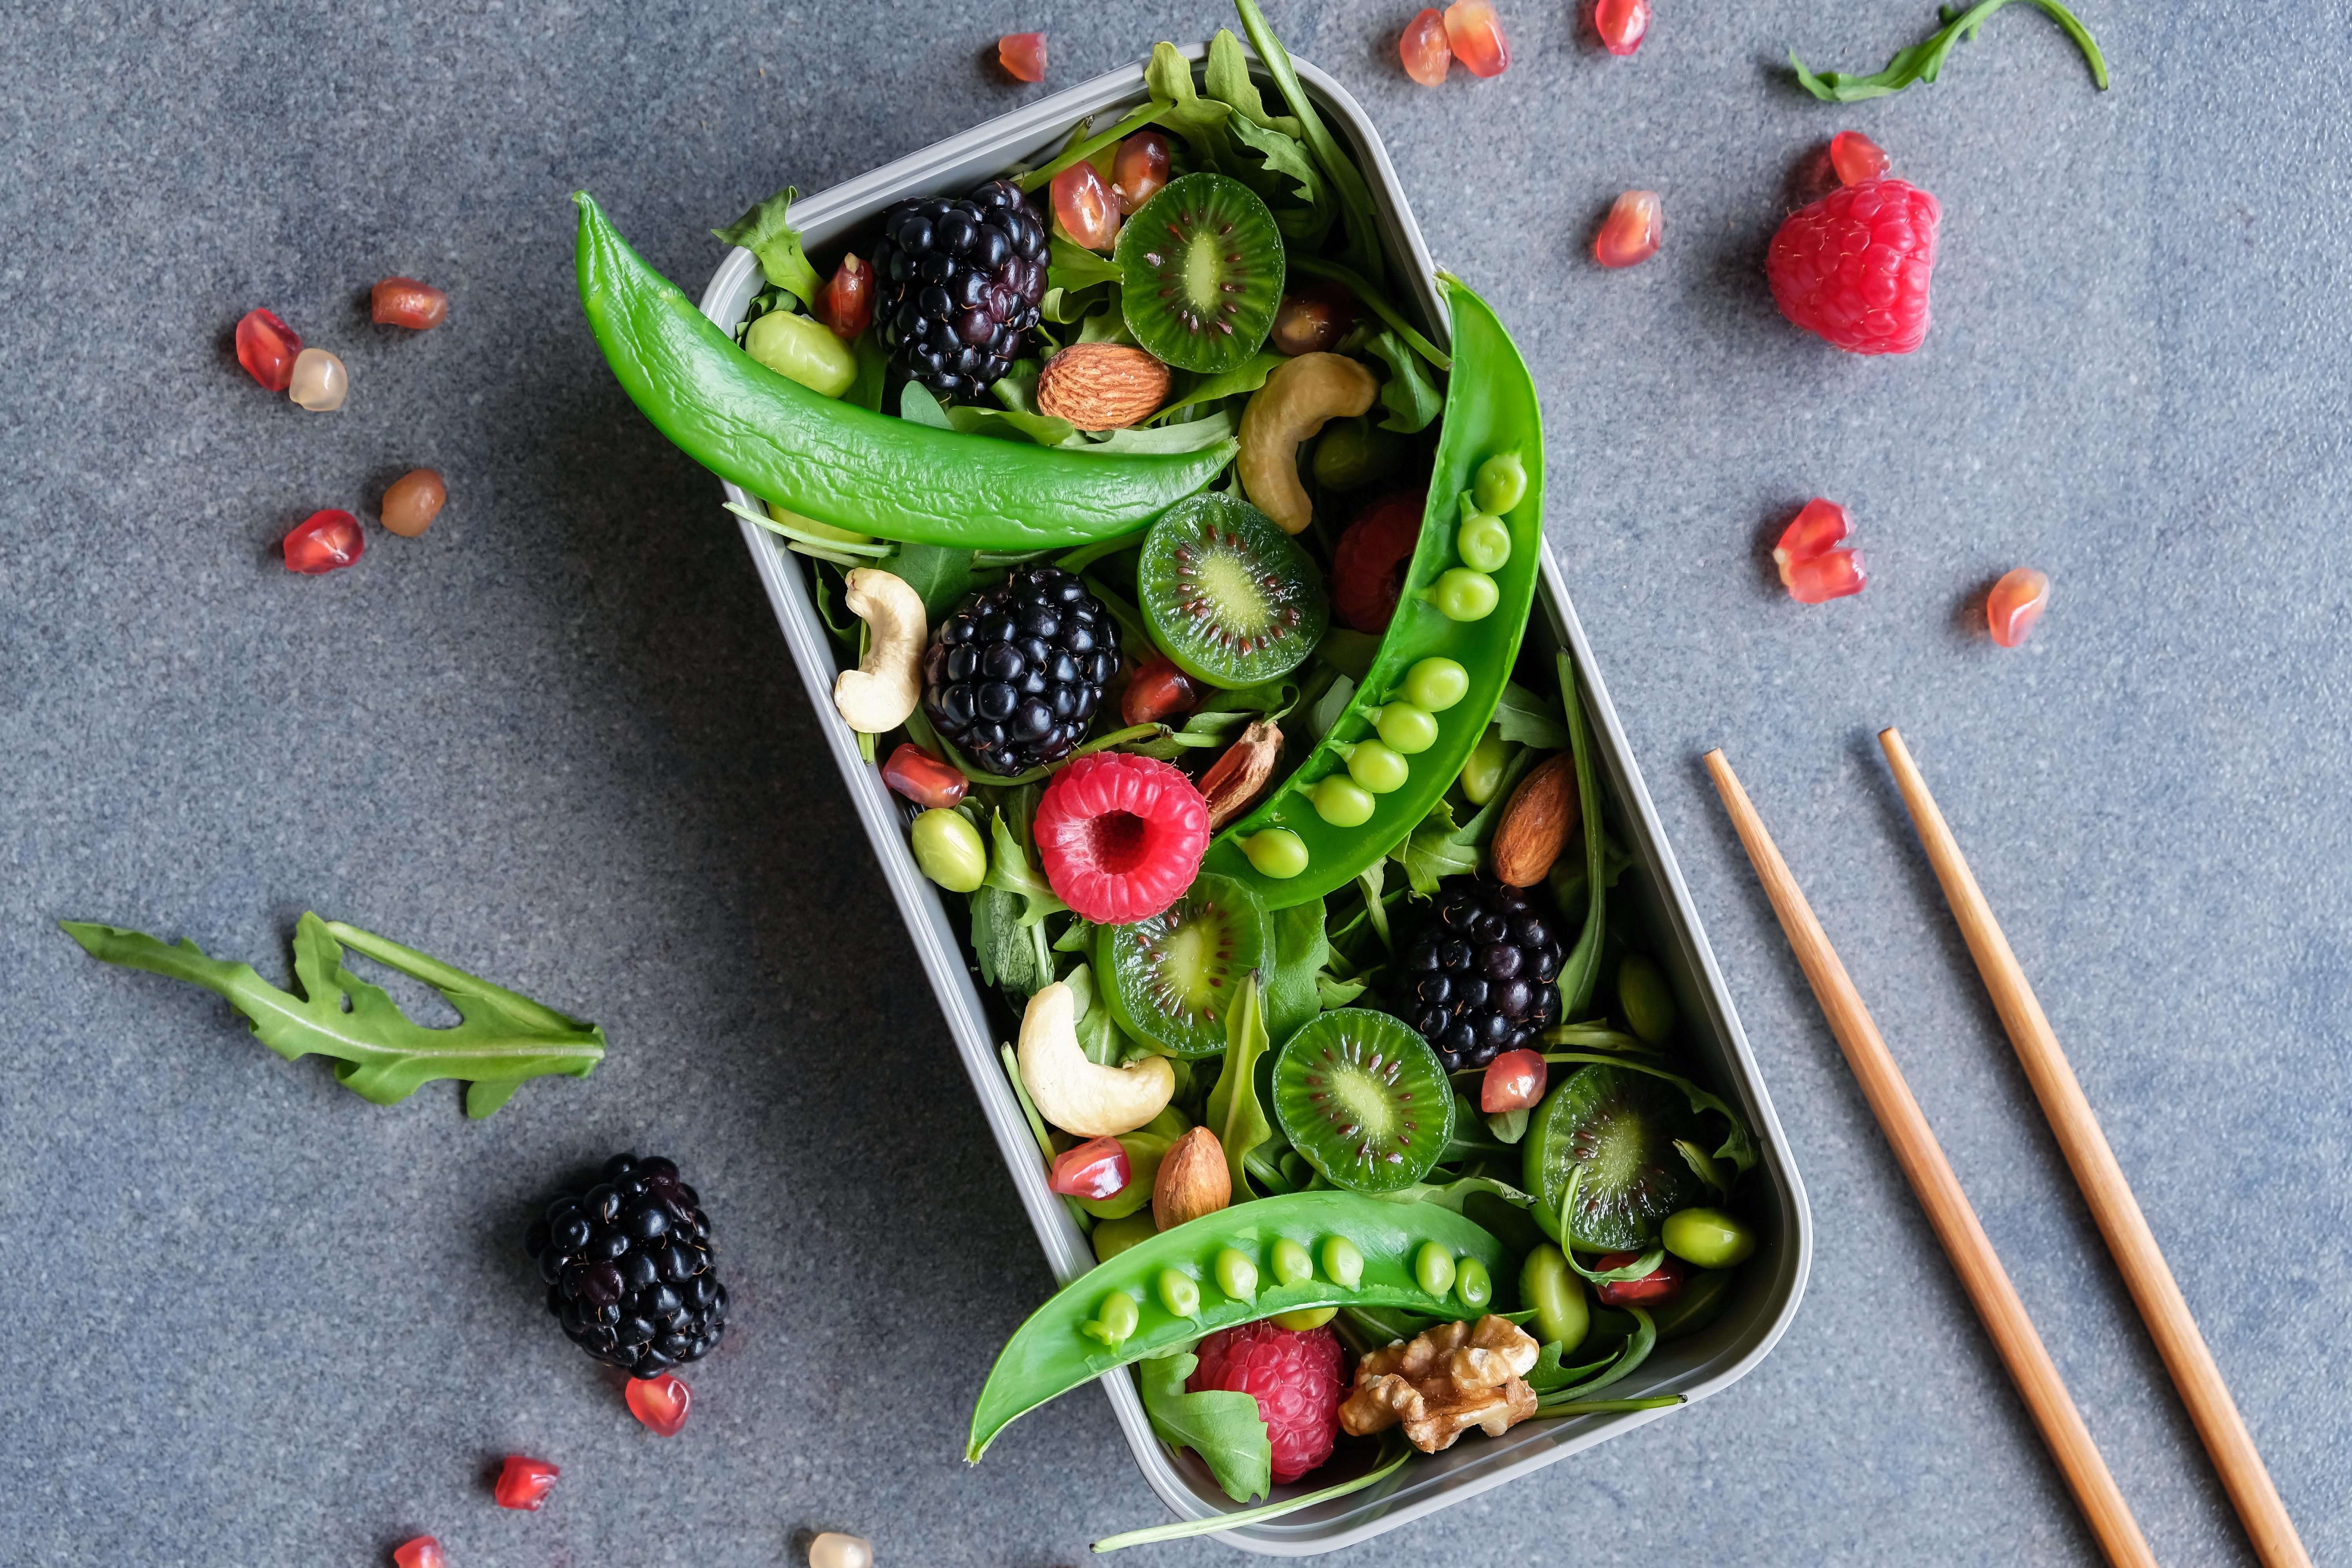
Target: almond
{"type": "Point", "coordinates": [1536, 824]}
{"type": "Point", "coordinates": [1193, 1180]}
{"type": "Point", "coordinates": [1235, 780]}
{"type": "Point", "coordinates": [1101, 386]}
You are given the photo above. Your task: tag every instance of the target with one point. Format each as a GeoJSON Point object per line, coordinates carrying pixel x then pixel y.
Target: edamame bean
{"type": "Point", "coordinates": [1341, 801]}
{"type": "Point", "coordinates": [1462, 594]}
{"type": "Point", "coordinates": [1552, 1288]}
{"type": "Point", "coordinates": [1436, 684]}
{"type": "Point", "coordinates": [1114, 1320]}
{"type": "Point", "coordinates": [1376, 768]}
{"type": "Point", "coordinates": [1485, 542]}
{"type": "Point", "coordinates": [1113, 1236]}
{"type": "Point", "coordinates": [1342, 1264]}
{"type": "Point", "coordinates": [1481, 775]}
{"type": "Point", "coordinates": [803, 350]}
{"type": "Point", "coordinates": [1306, 1318]}
{"type": "Point", "coordinates": [1277, 853]}
{"type": "Point", "coordinates": [1352, 453]}
{"type": "Point", "coordinates": [1237, 1275]}
{"type": "Point", "coordinates": [1290, 1263]}
{"type": "Point", "coordinates": [1645, 999]}
{"type": "Point", "coordinates": [948, 848]}
{"type": "Point", "coordinates": [1708, 1238]}
{"type": "Point", "coordinates": [1433, 1267]}
{"type": "Point", "coordinates": [1473, 1283]}
{"type": "Point", "coordinates": [1179, 1292]}
{"type": "Point", "coordinates": [1406, 728]}
{"type": "Point", "coordinates": [1501, 484]}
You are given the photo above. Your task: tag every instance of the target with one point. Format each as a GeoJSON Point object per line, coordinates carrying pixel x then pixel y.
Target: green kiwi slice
{"type": "Point", "coordinates": [1363, 1097]}
{"type": "Point", "coordinates": [1170, 978]}
{"type": "Point", "coordinates": [1620, 1126]}
{"type": "Point", "coordinates": [1227, 594]}
{"type": "Point", "coordinates": [1202, 266]}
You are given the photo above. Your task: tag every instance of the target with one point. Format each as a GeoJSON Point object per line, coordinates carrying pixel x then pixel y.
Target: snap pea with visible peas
{"type": "Point", "coordinates": [1273, 1258]}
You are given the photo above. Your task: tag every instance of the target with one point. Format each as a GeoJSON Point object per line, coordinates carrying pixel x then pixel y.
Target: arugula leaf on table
{"type": "Point", "coordinates": [1300, 951]}
{"type": "Point", "coordinates": [1222, 1426]}
{"type": "Point", "coordinates": [382, 1056]}
{"type": "Point", "coordinates": [1410, 398]}
{"type": "Point", "coordinates": [1233, 1112]}
{"type": "Point", "coordinates": [1923, 61]}
{"type": "Point", "coordinates": [766, 231]}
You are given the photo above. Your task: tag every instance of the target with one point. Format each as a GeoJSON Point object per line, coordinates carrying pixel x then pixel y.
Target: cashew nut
{"type": "Point", "coordinates": [1289, 408]}
{"type": "Point", "coordinates": [882, 690]}
{"type": "Point", "coordinates": [1075, 1094]}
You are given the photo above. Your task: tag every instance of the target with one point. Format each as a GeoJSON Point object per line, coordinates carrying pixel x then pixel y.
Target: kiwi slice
{"type": "Point", "coordinates": [1364, 1099]}
{"type": "Point", "coordinates": [1203, 269]}
{"type": "Point", "coordinates": [1170, 978]}
{"type": "Point", "coordinates": [1227, 594]}
{"type": "Point", "coordinates": [1620, 1126]}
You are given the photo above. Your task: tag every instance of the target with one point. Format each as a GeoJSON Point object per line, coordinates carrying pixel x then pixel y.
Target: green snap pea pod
{"type": "Point", "coordinates": [1490, 409]}
{"type": "Point", "coordinates": [1056, 1350]}
{"type": "Point", "coordinates": [848, 465]}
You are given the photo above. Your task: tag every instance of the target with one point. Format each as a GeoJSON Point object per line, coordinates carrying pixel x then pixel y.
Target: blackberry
{"type": "Point", "coordinates": [959, 282]}
{"type": "Point", "coordinates": [1014, 675]}
{"type": "Point", "coordinates": [1483, 976]}
{"type": "Point", "coordinates": [628, 1268]}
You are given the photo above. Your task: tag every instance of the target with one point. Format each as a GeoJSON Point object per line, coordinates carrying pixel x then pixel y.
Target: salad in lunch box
{"type": "Point", "coordinates": [1182, 588]}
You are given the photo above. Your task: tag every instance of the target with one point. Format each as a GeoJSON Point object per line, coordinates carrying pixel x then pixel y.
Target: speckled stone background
{"type": "Point", "coordinates": [254, 1319]}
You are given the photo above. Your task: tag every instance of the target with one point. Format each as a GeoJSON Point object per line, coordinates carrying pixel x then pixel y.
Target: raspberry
{"type": "Point", "coordinates": [1121, 836]}
{"type": "Point", "coordinates": [1369, 565]}
{"type": "Point", "coordinates": [1853, 266]}
{"type": "Point", "coordinates": [1295, 1379]}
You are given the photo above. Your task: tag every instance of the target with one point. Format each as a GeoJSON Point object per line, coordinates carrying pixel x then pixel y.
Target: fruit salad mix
{"type": "Point", "coordinates": [1182, 589]}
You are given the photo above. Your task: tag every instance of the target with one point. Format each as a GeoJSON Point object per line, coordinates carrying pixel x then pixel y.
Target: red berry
{"type": "Point", "coordinates": [1139, 169]}
{"type": "Point", "coordinates": [422, 1552]}
{"type": "Point", "coordinates": [922, 777]}
{"type": "Point", "coordinates": [1022, 54]}
{"type": "Point", "coordinates": [324, 541]}
{"type": "Point", "coordinates": [1369, 563]}
{"type": "Point", "coordinates": [525, 1483]}
{"type": "Point", "coordinates": [1426, 54]}
{"type": "Point", "coordinates": [661, 1402]}
{"type": "Point", "coordinates": [1476, 35]}
{"type": "Point", "coordinates": [1853, 266]}
{"type": "Point", "coordinates": [1121, 836]}
{"type": "Point", "coordinates": [1295, 1379]}
{"type": "Point", "coordinates": [1663, 1284]}
{"type": "Point", "coordinates": [1822, 525]}
{"type": "Point", "coordinates": [1833, 575]}
{"type": "Point", "coordinates": [265, 346]}
{"type": "Point", "coordinates": [846, 302]}
{"type": "Point", "coordinates": [1855, 157]}
{"type": "Point", "coordinates": [1621, 24]}
{"type": "Point", "coordinates": [2016, 602]}
{"type": "Point", "coordinates": [406, 302]}
{"type": "Point", "coordinates": [1632, 233]}
{"type": "Point", "coordinates": [1085, 208]}
{"type": "Point", "coordinates": [1098, 1168]}
{"type": "Point", "coordinates": [1514, 1081]}
{"type": "Point", "coordinates": [1158, 690]}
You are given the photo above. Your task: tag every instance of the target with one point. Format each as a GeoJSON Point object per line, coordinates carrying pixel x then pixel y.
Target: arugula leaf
{"type": "Point", "coordinates": [1227, 79]}
{"type": "Point", "coordinates": [382, 1056]}
{"type": "Point", "coordinates": [1530, 720]}
{"type": "Point", "coordinates": [1508, 1126]}
{"type": "Point", "coordinates": [1370, 297]}
{"type": "Point", "coordinates": [1633, 1354]}
{"type": "Point", "coordinates": [918, 404]}
{"type": "Point", "coordinates": [1233, 1113]}
{"type": "Point", "coordinates": [1069, 265]}
{"type": "Point", "coordinates": [1922, 62]}
{"type": "Point", "coordinates": [1010, 424]}
{"type": "Point", "coordinates": [1455, 1194]}
{"type": "Point", "coordinates": [873, 373]}
{"type": "Point", "coordinates": [1187, 436]}
{"type": "Point", "coordinates": [1548, 1375]}
{"type": "Point", "coordinates": [1247, 376]}
{"type": "Point", "coordinates": [1285, 179]}
{"type": "Point", "coordinates": [1300, 951]}
{"type": "Point", "coordinates": [1704, 1167]}
{"type": "Point", "coordinates": [1338, 993]}
{"type": "Point", "coordinates": [940, 575]}
{"type": "Point", "coordinates": [1222, 1426]}
{"type": "Point", "coordinates": [1408, 394]}
{"type": "Point", "coordinates": [1008, 868]}
{"type": "Point", "coordinates": [1199, 120]}
{"type": "Point", "coordinates": [1328, 707]}
{"type": "Point", "coordinates": [1099, 1036]}
{"type": "Point", "coordinates": [1349, 652]}
{"type": "Point", "coordinates": [1362, 250]}
{"type": "Point", "coordinates": [766, 232]}
{"type": "Point", "coordinates": [1581, 971]}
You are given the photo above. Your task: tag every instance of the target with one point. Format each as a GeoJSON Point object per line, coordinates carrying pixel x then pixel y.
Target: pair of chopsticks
{"type": "Point", "coordinates": [2142, 1265]}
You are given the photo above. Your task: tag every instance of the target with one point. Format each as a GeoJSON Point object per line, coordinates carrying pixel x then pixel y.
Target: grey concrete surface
{"type": "Point", "coordinates": [252, 1319]}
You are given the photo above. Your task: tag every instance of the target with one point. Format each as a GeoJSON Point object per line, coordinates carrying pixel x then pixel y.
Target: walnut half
{"type": "Point", "coordinates": [1444, 1382]}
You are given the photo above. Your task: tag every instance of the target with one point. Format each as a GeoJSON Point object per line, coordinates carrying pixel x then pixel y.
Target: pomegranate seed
{"type": "Point", "coordinates": [525, 1483]}
{"type": "Point", "coordinates": [2016, 602]}
{"type": "Point", "coordinates": [1622, 24]}
{"type": "Point", "coordinates": [406, 302]}
{"type": "Point", "coordinates": [1822, 525]}
{"type": "Point", "coordinates": [1514, 1081]}
{"type": "Point", "coordinates": [1139, 169]}
{"type": "Point", "coordinates": [1022, 54]}
{"type": "Point", "coordinates": [1833, 575]}
{"type": "Point", "coordinates": [1156, 692]}
{"type": "Point", "coordinates": [1312, 321]}
{"type": "Point", "coordinates": [1084, 207]}
{"type": "Point", "coordinates": [1856, 158]}
{"type": "Point", "coordinates": [1476, 35]}
{"type": "Point", "coordinates": [1664, 1285]}
{"type": "Point", "coordinates": [324, 541]}
{"type": "Point", "coordinates": [422, 1552]}
{"type": "Point", "coordinates": [1427, 55]}
{"type": "Point", "coordinates": [1634, 227]}
{"type": "Point", "coordinates": [1096, 1169]}
{"type": "Point", "coordinates": [922, 777]}
{"type": "Point", "coordinates": [661, 1402]}
{"type": "Point", "coordinates": [846, 303]}
{"type": "Point", "coordinates": [265, 346]}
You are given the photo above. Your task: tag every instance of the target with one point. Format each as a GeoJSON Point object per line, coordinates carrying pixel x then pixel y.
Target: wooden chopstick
{"type": "Point", "coordinates": [1947, 1206]}
{"type": "Point", "coordinates": [2137, 1257]}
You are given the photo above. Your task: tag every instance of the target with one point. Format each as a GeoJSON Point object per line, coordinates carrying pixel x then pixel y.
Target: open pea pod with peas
{"type": "Point", "coordinates": [1260, 1259]}
{"type": "Point", "coordinates": [1432, 689]}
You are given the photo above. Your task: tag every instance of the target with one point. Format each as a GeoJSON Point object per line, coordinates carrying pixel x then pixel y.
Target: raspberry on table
{"type": "Point", "coordinates": [1295, 1377]}
{"type": "Point", "coordinates": [1853, 266]}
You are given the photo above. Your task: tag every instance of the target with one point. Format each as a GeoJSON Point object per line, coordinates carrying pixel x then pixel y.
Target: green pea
{"type": "Point", "coordinates": [1342, 1264]}
{"type": "Point", "coordinates": [1341, 801]}
{"type": "Point", "coordinates": [1501, 484]}
{"type": "Point", "coordinates": [1473, 1283]}
{"type": "Point", "coordinates": [1406, 728]}
{"type": "Point", "coordinates": [1552, 1288]}
{"type": "Point", "coordinates": [1432, 1265]}
{"type": "Point", "coordinates": [1708, 1238]}
{"type": "Point", "coordinates": [1113, 1236]}
{"type": "Point", "coordinates": [1485, 542]}
{"type": "Point", "coordinates": [1290, 1263]}
{"type": "Point", "coordinates": [1277, 853]}
{"type": "Point", "coordinates": [803, 349]}
{"type": "Point", "coordinates": [1376, 767]}
{"type": "Point", "coordinates": [1179, 1292]}
{"type": "Point", "coordinates": [1114, 1320]}
{"type": "Point", "coordinates": [1462, 594]}
{"type": "Point", "coordinates": [1237, 1275]}
{"type": "Point", "coordinates": [1481, 775]}
{"type": "Point", "coordinates": [1304, 1319]}
{"type": "Point", "coordinates": [948, 848]}
{"type": "Point", "coordinates": [1645, 999]}
{"type": "Point", "coordinates": [1435, 684]}
{"type": "Point", "coordinates": [1352, 453]}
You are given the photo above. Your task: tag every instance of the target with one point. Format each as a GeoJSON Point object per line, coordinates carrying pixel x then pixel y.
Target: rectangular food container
{"type": "Point", "coordinates": [1771, 1284]}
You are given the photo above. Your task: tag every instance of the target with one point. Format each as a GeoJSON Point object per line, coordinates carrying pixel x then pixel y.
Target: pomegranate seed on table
{"type": "Point", "coordinates": [525, 1483]}
{"type": "Point", "coordinates": [1514, 1081]}
{"type": "Point", "coordinates": [1621, 24]}
{"type": "Point", "coordinates": [1024, 54]}
{"type": "Point", "coordinates": [422, 1552]}
{"type": "Point", "coordinates": [319, 382]}
{"type": "Point", "coordinates": [406, 302]}
{"type": "Point", "coordinates": [1822, 525]}
{"type": "Point", "coordinates": [660, 1403]}
{"type": "Point", "coordinates": [1833, 575]}
{"type": "Point", "coordinates": [1139, 169]}
{"type": "Point", "coordinates": [1476, 35]}
{"type": "Point", "coordinates": [1085, 208]}
{"type": "Point", "coordinates": [922, 778]}
{"type": "Point", "coordinates": [2016, 602]}
{"type": "Point", "coordinates": [1633, 231]}
{"type": "Point", "coordinates": [324, 541]}
{"type": "Point", "coordinates": [1856, 158]}
{"type": "Point", "coordinates": [1098, 1168]}
{"type": "Point", "coordinates": [1156, 692]}
{"type": "Point", "coordinates": [266, 347]}
{"type": "Point", "coordinates": [1663, 1285]}
{"type": "Point", "coordinates": [1424, 50]}
{"type": "Point", "coordinates": [846, 302]}
{"type": "Point", "coordinates": [833, 1549]}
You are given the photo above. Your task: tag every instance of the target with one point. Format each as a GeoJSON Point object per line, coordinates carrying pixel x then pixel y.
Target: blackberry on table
{"type": "Point", "coordinates": [1014, 675]}
{"type": "Point", "coordinates": [959, 282]}
{"type": "Point", "coordinates": [1483, 977]}
{"type": "Point", "coordinates": [628, 1268]}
